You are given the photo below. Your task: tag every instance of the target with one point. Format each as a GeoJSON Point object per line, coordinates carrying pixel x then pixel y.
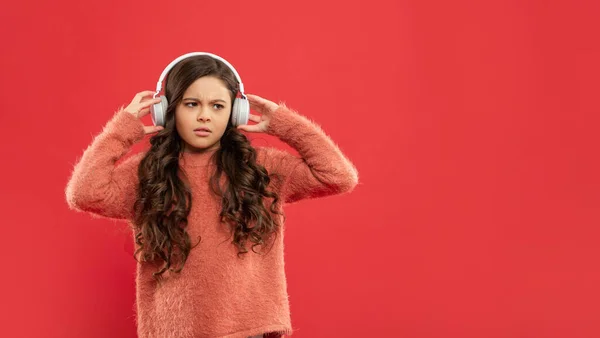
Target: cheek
{"type": "Point", "coordinates": [224, 118]}
{"type": "Point", "coordinates": [182, 124]}
{"type": "Point", "coordinates": [183, 119]}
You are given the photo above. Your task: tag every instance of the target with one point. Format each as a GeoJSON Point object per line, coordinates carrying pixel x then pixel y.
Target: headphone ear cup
{"type": "Point", "coordinates": [158, 111]}
{"type": "Point", "coordinates": [240, 112]}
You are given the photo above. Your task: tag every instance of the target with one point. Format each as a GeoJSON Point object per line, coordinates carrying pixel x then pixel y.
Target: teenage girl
{"type": "Point", "coordinates": [204, 205]}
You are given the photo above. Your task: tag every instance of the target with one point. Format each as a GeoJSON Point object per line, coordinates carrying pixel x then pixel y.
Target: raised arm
{"type": "Point", "coordinates": [97, 184]}
{"type": "Point", "coordinates": [321, 170]}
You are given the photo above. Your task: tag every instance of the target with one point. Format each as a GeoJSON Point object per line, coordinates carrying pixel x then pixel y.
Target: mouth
{"type": "Point", "coordinates": [203, 129]}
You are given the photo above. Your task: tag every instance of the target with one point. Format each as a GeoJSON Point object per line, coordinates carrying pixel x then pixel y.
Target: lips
{"type": "Point", "coordinates": [202, 129]}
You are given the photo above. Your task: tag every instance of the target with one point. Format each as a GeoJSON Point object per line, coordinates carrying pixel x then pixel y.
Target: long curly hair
{"type": "Point", "coordinates": [164, 199]}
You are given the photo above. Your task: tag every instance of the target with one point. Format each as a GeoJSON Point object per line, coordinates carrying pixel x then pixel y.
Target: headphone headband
{"type": "Point", "coordinates": [185, 56]}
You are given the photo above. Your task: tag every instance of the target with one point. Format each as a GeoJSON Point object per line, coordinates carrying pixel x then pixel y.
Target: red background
{"type": "Point", "coordinates": [473, 125]}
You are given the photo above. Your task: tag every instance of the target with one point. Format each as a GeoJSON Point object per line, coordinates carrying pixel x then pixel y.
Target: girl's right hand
{"type": "Point", "coordinates": [140, 107]}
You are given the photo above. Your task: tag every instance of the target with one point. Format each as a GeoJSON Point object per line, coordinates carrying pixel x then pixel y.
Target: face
{"type": "Point", "coordinates": [205, 104]}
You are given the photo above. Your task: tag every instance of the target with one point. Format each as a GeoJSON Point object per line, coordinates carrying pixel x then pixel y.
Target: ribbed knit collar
{"type": "Point", "coordinates": [196, 159]}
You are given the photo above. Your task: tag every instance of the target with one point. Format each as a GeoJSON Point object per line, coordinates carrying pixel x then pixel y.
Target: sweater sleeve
{"type": "Point", "coordinates": [97, 185]}
{"type": "Point", "coordinates": [321, 170]}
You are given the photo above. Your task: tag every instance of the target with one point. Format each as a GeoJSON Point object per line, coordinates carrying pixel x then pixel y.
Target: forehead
{"type": "Point", "coordinates": [208, 88]}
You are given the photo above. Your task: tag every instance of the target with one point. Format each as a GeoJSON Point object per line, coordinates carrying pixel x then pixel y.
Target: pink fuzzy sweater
{"type": "Point", "coordinates": [217, 294]}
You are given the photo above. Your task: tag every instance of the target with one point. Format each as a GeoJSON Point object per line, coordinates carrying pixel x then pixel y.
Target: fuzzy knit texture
{"type": "Point", "coordinates": [216, 294]}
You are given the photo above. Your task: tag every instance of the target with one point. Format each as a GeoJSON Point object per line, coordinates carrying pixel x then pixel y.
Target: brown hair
{"type": "Point", "coordinates": [164, 198]}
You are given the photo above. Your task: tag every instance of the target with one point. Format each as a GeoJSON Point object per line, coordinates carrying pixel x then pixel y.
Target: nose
{"type": "Point", "coordinates": [203, 115]}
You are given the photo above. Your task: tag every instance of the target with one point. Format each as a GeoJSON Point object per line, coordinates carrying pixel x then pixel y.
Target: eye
{"type": "Point", "coordinates": [218, 106]}
{"type": "Point", "coordinates": [188, 103]}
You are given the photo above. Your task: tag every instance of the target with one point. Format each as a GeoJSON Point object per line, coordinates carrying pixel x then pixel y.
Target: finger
{"type": "Point", "coordinates": [152, 129]}
{"type": "Point", "coordinates": [254, 97]}
{"type": "Point", "coordinates": [259, 107]}
{"type": "Point", "coordinates": [260, 104]}
{"type": "Point", "coordinates": [250, 128]}
{"type": "Point", "coordinates": [138, 97]}
{"type": "Point", "coordinates": [148, 103]}
{"type": "Point", "coordinates": [144, 107]}
{"type": "Point", "coordinates": [256, 100]}
{"type": "Point", "coordinates": [143, 112]}
{"type": "Point", "coordinates": [254, 118]}
{"type": "Point", "coordinates": [145, 93]}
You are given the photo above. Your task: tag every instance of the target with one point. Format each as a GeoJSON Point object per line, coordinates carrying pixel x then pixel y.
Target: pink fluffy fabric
{"type": "Point", "coordinates": [217, 294]}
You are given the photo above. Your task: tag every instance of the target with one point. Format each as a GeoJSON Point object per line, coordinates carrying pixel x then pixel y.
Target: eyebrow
{"type": "Point", "coordinates": [195, 99]}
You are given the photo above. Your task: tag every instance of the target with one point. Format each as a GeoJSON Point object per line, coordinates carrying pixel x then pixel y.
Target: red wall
{"type": "Point", "coordinates": [473, 125]}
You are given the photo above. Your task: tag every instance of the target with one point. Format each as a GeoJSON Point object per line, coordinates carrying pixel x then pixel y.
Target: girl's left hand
{"type": "Point", "coordinates": [265, 108]}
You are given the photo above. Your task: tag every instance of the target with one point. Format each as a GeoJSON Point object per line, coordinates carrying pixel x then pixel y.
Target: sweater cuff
{"type": "Point", "coordinates": [127, 126]}
{"type": "Point", "coordinates": [282, 121]}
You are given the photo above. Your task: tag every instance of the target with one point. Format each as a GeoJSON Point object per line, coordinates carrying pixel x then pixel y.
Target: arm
{"type": "Point", "coordinates": [321, 170]}
{"type": "Point", "coordinates": [99, 186]}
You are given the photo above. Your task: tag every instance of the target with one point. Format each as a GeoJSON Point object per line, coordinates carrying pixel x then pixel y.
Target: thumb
{"type": "Point", "coordinates": [152, 129]}
{"type": "Point", "coordinates": [251, 128]}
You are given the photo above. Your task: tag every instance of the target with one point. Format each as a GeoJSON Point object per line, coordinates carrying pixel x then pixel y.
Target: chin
{"type": "Point", "coordinates": [200, 146]}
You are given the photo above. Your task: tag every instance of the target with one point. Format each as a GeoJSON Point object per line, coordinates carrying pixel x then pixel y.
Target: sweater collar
{"type": "Point", "coordinates": [195, 159]}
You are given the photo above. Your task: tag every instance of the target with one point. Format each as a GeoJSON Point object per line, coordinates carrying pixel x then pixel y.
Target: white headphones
{"type": "Point", "coordinates": [241, 107]}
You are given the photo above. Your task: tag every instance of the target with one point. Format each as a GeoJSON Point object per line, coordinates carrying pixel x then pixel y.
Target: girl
{"type": "Point", "coordinates": [204, 205]}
